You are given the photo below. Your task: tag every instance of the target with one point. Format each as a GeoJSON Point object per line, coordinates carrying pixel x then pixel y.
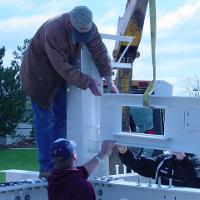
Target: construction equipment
{"type": "Point", "coordinates": [91, 119]}
{"type": "Point", "coordinates": [131, 24]}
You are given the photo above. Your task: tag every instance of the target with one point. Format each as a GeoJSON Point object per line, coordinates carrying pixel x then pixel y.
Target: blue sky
{"type": "Point", "coordinates": [178, 32]}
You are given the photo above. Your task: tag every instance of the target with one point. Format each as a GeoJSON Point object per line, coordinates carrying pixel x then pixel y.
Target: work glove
{"type": "Point", "coordinates": [95, 87]}
{"type": "Point", "coordinates": [179, 155]}
{"type": "Point", "coordinates": [113, 88]}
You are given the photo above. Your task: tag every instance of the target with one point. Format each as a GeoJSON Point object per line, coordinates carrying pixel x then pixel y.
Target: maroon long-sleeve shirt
{"type": "Point", "coordinates": [70, 184]}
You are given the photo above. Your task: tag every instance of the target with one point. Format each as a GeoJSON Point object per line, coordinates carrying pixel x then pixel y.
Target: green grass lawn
{"type": "Point", "coordinates": [24, 159]}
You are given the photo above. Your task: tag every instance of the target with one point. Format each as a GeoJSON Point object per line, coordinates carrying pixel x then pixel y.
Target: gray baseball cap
{"type": "Point", "coordinates": [82, 22]}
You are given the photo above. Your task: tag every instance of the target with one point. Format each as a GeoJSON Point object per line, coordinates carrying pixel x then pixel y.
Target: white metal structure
{"type": "Point", "coordinates": [163, 88]}
{"type": "Point", "coordinates": [87, 115]}
{"type": "Point", "coordinates": [181, 125]}
{"type": "Point", "coordinates": [83, 116]}
{"type": "Point", "coordinates": [119, 38]}
{"type": "Point", "coordinates": [83, 111]}
{"type": "Point", "coordinates": [30, 189]}
{"type": "Point", "coordinates": [132, 187]}
{"type": "Point", "coordinates": [16, 175]}
{"type": "Point", "coordinates": [83, 126]}
{"type": "Point", "coordinates": [124, 20]}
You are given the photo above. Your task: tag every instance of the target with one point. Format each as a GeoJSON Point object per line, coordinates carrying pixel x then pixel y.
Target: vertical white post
{"type": "Point", "coordinates": [117, 169]}
{"type": "Point", "coordinates": [83, 116]}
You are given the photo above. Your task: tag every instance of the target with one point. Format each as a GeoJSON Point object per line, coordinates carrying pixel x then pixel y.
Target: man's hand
{"type": "Point", "coordinates": [113, 88]}
{"type": "Point", "coordinates": [122, 149]}
{"type": "Point", "coordinates": [95, 87]}
{"type": "Point", "coordinates": [106, 148]}
{"type": "Point", "coordinates": [179, 155]}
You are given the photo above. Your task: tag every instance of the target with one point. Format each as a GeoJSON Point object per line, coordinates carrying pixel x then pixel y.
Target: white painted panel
{"type": "Point", "coordinates": [192, 120]}
{"type": "Point", "coordinates": [83, 116]}
{"type": "Point", "coordinates": [176, 136]}
{"type": "Point", "coordinates": [121, 189]}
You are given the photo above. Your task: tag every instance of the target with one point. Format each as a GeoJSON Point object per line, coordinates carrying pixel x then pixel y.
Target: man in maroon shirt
{"type": "Point", "coordinates": [68, 182]}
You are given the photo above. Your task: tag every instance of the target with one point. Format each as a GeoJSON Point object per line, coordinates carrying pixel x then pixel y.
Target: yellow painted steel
{"type": "Point", "coordinates": [133, 31]}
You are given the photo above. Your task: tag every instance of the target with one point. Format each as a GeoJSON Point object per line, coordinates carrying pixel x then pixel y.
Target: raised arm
{"type": "Point", "coordinates": [142, 165]}
{"type": "Point", "coordinates": [106, 150]}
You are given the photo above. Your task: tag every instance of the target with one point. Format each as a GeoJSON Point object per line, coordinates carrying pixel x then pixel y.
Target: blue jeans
{"type": "Point", "coordinates": [50, 124]}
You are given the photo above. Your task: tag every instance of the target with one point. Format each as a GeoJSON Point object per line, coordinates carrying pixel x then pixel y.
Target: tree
{"type": "Point", "coordinates": [12, 96]}
{"type": "Point", "coordinates": [191, 86]}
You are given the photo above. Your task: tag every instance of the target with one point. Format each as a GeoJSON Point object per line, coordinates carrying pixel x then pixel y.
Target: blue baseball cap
{"type": "Point", "coordinates": [63, 148]}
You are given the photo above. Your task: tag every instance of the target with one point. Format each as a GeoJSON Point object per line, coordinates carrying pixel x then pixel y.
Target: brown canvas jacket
{"type": "Point", "coordinates": [48, 61]}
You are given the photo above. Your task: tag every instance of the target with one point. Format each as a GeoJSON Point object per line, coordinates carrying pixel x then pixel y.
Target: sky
{"type": "Point", "coordinates": [178, 33]}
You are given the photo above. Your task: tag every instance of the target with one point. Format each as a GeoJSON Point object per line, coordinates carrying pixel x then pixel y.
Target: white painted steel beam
{"type": "Point", "coordinates": [120, 38]}
{"type": "Point", "coordinates": [30, 189]}
{"type": "Point", "coordinates": [124, 20]}
{"type": "Point", "coordinates": [83, 116]}
{"type": "Point", "coordinates": [17, 175]}
{"type": "Point", "coordinates": [121, 65]}
{"type": "Point", "coordinates": [121, 189]}
{"type": "Point", "coordinates": [181, 125]}
{"type": "Point", "coordinates": [117, 37]}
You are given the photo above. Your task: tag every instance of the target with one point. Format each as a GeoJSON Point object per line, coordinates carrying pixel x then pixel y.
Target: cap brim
{"type": "Point", "coordinates": [73, 143]}
{"type": "Point", "coordinates": [82, 37]}
{"type": "Point", "coordinates": [63, 148]}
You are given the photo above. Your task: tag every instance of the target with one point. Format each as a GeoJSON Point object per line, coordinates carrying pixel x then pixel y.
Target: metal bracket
{"type": "Point", "coordinates": [128, 39]}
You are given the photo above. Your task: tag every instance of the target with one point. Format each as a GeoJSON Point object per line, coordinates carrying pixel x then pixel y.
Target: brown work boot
{"type": "Point", "coordinates": [44, 174]}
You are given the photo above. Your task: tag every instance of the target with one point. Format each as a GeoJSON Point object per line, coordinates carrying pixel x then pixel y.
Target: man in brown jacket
{"type": "Point", "coordinates": [48, 66]}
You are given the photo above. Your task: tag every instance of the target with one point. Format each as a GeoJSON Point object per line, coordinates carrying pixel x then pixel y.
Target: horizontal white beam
{"type": "Point", "coordinates": [142, 140]}
{"type": "Point", "coordinates": [121, 65]}
{"type": "Point", "coordinates": [120, 189]}
{"type": "Point", "coordinates": [117, 37]}
{"type": "Point", "coordinates": [181, 125]}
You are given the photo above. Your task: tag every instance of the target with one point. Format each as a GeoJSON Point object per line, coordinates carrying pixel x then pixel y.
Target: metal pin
{"type": "Point", "coordinates": [138, 179]}
{"type": "Point", "coordinates": [170, 182]}
{"type": "Point", "coordinates": [117, 169]}
{"type": "Point", "coordinates": [150, 182]}
{"type": "Point", "coordinates": [125, 169]}
{"type": "Point", "coordinates": [159, 182]}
